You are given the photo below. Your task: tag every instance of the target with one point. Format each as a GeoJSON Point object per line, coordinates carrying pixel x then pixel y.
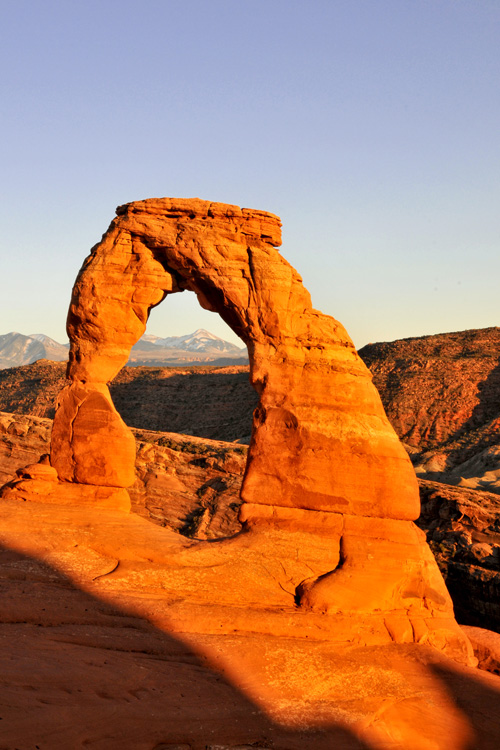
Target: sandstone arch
{"type": "Point", "coordinates": [321, 440]}
{"type": "Point", "coordinates": [328, 488]}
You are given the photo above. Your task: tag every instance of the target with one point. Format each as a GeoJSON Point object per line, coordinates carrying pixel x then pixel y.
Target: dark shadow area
{"type": "Point", "coordinates": [486, 411]}
{"type": "Point", "coordinates": [194, 401]}
{"type": "Point", "coordinates": [475, 593]}
{"type": "Point", "coordinates": [478, 702]}
{"type": "Point", "coordinates": [77, 672]}
{"type": "Point", "coordinates": [462, 528]}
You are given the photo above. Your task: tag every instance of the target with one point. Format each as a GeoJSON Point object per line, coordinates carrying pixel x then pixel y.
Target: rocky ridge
{"type": "Point", "coordinates": [442, 396]}
{"type": "Point", "coordinates": [206, 401]}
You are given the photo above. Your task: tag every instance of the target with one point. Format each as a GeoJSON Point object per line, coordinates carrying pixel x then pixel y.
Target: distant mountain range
{"type": "Point", "coordinates": [198, 348]}
{"type": "Point", "coordinates": [16, 349]}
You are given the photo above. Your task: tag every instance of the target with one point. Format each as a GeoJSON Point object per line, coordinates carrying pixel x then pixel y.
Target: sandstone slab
{"type": "Point", "coordinates": [121, 634]}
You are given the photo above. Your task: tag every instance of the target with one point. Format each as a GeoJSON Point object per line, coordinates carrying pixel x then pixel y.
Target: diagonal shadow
{"type": "Point", "coordinates": [476, 700]}
{"type": "Point", "coordinates": [78, 672]}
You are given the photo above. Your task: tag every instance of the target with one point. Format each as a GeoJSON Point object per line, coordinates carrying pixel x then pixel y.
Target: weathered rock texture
{"type": "Point", "coordinates": [463, 530]}
{"type": "Point", "coordinates": [23, 440]}
{"type": "Point", "coordinates": [115, 633]}
{"type": "Point", "coordinates": [204, 401]}
{"type": "Point", "coordinates": [442, 396]}
{"type": "Point", "coordinates": [187, 484]}
{"type": "Point", "coordinates": [320, 437]}
{"type": "Point", "coordinates": [214, 403]}
{"type": "Point", "coordinates": [192, 485]}
{"type": "Point", "coordinates": [323, 458]}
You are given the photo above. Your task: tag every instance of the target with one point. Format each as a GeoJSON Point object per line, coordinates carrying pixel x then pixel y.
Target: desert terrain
{"type": "Point", "coordinates": [233, 586]}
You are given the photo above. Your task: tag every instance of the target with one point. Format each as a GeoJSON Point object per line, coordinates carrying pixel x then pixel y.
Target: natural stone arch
{"type": "Point", "coordinates": [327, 479]}
{"type": "Point", "coordinates": [320, 438]}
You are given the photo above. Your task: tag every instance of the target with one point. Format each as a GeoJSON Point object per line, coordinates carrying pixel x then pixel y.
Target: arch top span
{"type": "Point", "coordinates": [320, 437]}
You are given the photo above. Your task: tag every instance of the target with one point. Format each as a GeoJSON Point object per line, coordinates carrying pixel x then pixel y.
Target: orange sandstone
{"type": "Point", "coordinates": [321, 440]}
{"type": "Point", "coordinates": [324, 465]}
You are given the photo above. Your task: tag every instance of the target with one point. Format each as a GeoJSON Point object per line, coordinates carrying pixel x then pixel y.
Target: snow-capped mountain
{"type": "Point", "coordinates": [17, 349]}
{"type": "Point", "coordinates": [199, 341]}
{"type": "Point", "coordinates": [198, 348]}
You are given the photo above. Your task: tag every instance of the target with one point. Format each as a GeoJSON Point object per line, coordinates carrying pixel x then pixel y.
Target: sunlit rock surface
{"type": "Point", "coordinates": [312, 626]}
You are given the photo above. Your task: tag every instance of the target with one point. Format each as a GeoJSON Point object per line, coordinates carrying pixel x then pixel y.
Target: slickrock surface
{"type": "Point", "coordinates": [442, 396]}
{"type": "Point", "coordinates": [319, 612]}
{"type": "Point", "coordinates": [192, 486]}
{"type": "Point", "coordinates": [486, 645]}
{"type": "Point", "coordinates": [187, 484]}
{"type": "Point", "coordinates": [121, 634]}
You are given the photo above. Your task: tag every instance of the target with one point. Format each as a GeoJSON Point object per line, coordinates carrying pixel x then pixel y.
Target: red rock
{"type": "Point", "coordinates": [320, 439]}
{"type": "Point", "coordinates": [486, 645]}
{"type": "Point", "coordinates": [117, 633]}
{"type": "Point", "coordinates": [442, 394]}
{"type": "Point", "coordinates": [321, 443]}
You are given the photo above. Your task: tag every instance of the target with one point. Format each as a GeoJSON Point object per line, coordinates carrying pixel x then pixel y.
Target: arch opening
{"type": "Point", "coordinates": [320, 438]}
{"type": "Point", "coordinates": [323, 459]}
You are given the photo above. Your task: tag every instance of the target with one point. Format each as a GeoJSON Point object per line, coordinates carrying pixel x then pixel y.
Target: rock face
{"type": "Point", "coordinates": [320, 437]}
{"type": "Point", "coordinates": [192, 485]}
{"type": "Point", "coordinates": [189, 485]}
{"type": "Point", "coordinates": [23, 440]}
{"type": "Point", "coordinates": [204, 401]}
{"type": "Point", "coordinates": [323, 459]}
{"type": "Point", "coordinates": [442, 396]}
{"type": "Point", "coordinates": [214, 403]}
{"type": "Point", "coordinates": [115, 633]}
{"type": "Point", "coordinates": [463, 530]}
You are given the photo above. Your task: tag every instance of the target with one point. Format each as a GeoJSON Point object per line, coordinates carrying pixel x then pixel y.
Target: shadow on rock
{"type": "Point", "coordinates": [476, 701]}
{"type": "Point", "coordinates": [77, 672]}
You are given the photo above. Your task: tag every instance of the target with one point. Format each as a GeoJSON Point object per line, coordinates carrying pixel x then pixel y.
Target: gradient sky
{"type": "Point", "coordinates": [370, 126]}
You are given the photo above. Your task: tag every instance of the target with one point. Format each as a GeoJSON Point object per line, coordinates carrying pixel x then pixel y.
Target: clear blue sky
{"type": "Point", "coordinates": [370, 126]}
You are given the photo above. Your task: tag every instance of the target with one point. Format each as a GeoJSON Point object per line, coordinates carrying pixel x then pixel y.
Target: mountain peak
{"type": "Point", "coordinates": [17, 349]}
